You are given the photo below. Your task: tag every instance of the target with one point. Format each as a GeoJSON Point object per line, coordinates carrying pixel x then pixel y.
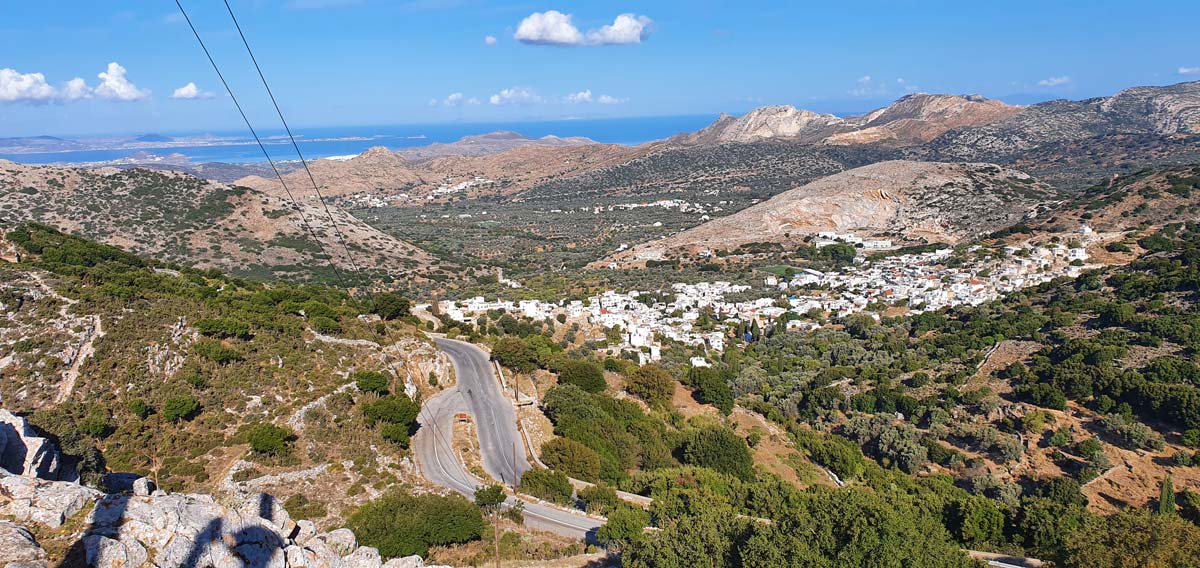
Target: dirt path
{"type": "Point", "coordinates": [71, 376]}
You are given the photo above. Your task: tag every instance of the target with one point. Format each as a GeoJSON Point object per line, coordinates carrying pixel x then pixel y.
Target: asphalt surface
{"type": "Point", "coordinates": [478, 394]}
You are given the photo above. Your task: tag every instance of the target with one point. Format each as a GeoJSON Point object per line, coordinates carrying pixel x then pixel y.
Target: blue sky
{"type": "Point", "coordinates": [355, 62]}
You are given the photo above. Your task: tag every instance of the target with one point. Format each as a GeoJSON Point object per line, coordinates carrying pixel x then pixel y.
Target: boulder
{"type": "Point", "coordinates": [364, 557]}
{"type": "Point", "coordinates": [341, 541]}
{"type": "Point", "coordinates": [18, 548]}
{"type": "Point", "coordinates": [104, 552]}
{"type": "Point", "coordinates": [305, 530]}
{"type": "Point", "coordinates": [23, 452]}
{"type": "Point", "coordinates": [45, 502]}
{"type": "Point", "coordinates": [143, 486]}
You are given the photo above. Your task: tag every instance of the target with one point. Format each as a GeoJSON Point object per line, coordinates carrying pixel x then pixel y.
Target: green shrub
{"type": "Point", "coordinates": [325, 325]}
{"type": "Point", "coordinates": [224, 328]}
{"type": "Point", "coordinates": [583, 374]}
{"type": "Point", "coordinates": [268, 439]}
{"type": "Point", "coordinates": [214, 351]}
{"type": "Point", "coordinates": [624, 525]}
{"type": "Point", "coordinates": [396, 433]}
{"type": "Point", "coordinates": [300, 507]}
{"type": "Point", "coordinates": [371, 381]}
{"type": "Point", "coordinates": [719, 449]}
{"type": "Point", "coordinates": [391, 409]}
{"type": "Point", "coordinates": [547, 485]}
{"type": "Point", "coordinates": [392, 306]}
{"type": "Point", "coordinates": [180, 408]}
{"type": "Point", "coordinates": [95, 425]}
{"type": "Point", "coordinates": [140, 409]}
{"type": "Point", "coordinates": [652, 384]}
{"type": "Point", "coordinates": [399, 524]}
{"type": "Point", "coordinates": [572, 458]}
{"type": "Point", "coordinates": [599, 499]}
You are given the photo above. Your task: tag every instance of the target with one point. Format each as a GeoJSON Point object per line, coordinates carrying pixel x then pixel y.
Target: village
{"type": "Point", "coordinates": [802, 299]}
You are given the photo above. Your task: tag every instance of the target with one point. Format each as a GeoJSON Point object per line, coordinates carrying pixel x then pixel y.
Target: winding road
{"type": "Point", "coordinates": [478, 394]}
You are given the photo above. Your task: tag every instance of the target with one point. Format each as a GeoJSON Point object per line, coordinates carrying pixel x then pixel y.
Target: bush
{"type": "Point", "coordinates": [95, 425]}
{"type": "Point", "coordinates": [548, 485]}
{"type": "Point", "coordinates": [583, 374]}
{"type": "Point", "coordinates": [572, 458]}
{"type": "Point", "coordinates": [214, 351]}
{"type": "Point", "coordinates": [977, 520]}
{"type": "Point", "coordinates": [599, 499]}
{"type": "Point", "coordinates": [325, 325]}
{"type": "Point", "coordinates": [391, 409]}
{"type": "Point", "coordinates": [180, 408]}
{"type": "Point", "coordinates": [300, 507]}
{"type": "Point", "coordinates": [652, 384]}
{"type": "Point", "coordinates": [223, 328]}
{"type": "Point", "coordinates": [399, 524]}
{"type": "Point", "coordinates": [268, 439]}
{"type": "Point", "coordinates": [392, 306]}
{"type": "Point", "coordinates": [624, 525]}
{"type": "Point", "coordinates": [514, 354]}
{"type": "Point", "coordinates": [397, 434]}
{"type": "Point", "coordinates": [140, 409]}
{"type": "Point", "coordinates": [721, 450]}
{"type": "Point", "coordinates": [371, 381]}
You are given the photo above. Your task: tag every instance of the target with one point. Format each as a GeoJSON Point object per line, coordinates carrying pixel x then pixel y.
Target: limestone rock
{"type": "Point", "coordinates": [364, 557]}
{"type": "Point", "coordinates": [46, 502]}
{"type": "Point", "coordinates": [143, 486]}
{"type": "Point", "coordinates": [104, 552]}
{"type": "Point", "coordinates": [341, 541]}
{"type": "Point", "coordinates": [18, 549]}
{"type": "Point", "coordinates": [23, 452]}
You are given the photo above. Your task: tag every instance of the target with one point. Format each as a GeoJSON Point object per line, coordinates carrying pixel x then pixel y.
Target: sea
{"type": "Point", "coordinates": [324, 142]}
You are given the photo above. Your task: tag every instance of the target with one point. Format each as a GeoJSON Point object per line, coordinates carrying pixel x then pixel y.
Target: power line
{"type": "Point", "coordinates": [337, 273]}
{"type": "Point", "coordinates": [304, 162]}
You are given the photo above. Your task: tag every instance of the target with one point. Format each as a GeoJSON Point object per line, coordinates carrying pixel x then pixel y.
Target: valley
{"type": "Point", "coordinates": [972, 323]}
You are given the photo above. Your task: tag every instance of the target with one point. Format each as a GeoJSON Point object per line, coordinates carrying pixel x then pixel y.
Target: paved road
{"type": "Point", "coordinates": [478, 394]}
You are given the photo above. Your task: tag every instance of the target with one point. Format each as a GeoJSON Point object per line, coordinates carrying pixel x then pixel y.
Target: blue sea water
{"type": "Point", "coordinates": [340, 141]}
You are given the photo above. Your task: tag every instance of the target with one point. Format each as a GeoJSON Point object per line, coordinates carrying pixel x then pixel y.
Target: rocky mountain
{"type": "Point", "coordinates": [177, 217]}
{"type": "Point", "coordinates": [490, 143]}
{"type": "Point", "coordinates": [903, 200]}
{"type": "Point", "coordinates": [911, 119]}
{"type": "Point", "coordinates": [1170, 110]}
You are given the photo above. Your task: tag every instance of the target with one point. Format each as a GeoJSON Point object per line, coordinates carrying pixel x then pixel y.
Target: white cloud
{"type": "Point", "coordinates": [453, 100]}
{"type": "Point", "coordinates": [607, 100]}
{"type": "Point", "coordinates": [490, 40]}
{"type": "Point", "coordinates": [17, 87]}
{"type": "Point", "coordinates": [515, 96]}
{"type": "Point", "coordinates": [626, 29]}
{"type": "Point", "coordinates": [1055, 81]}
{"type": "Point", "coordinates": [550, 28]}
{"type": "Point", "coordinates": [74, 90]}
{"type": "Point", "coordinates": [864, 87]}
{"type": "Point", "coordinates": [114, 86]}
{"type": "Point", "coordinates": [584, 96]}
{"type": "Point", "coordinates": [1189, 70]}
{"type": "Point", "coordinates": [25, 87]}
{"type": "Point", "coordinates": [190, 92]}
{"type": "Point", "coordinates": [556, 28]}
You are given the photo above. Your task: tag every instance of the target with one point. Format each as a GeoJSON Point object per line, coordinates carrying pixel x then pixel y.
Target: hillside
{"type": "Point", "coordinates": [490, 143]}
{"type": "Point", "coordinates": [1174, 109]}
{"type": "Point", "coordinates": [206, 224]}
{"type": "Point", "coordinates": [910, 201]}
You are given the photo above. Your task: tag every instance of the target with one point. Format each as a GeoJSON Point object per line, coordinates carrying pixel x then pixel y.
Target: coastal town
{"type": "Point", "coordinates": [804, 299]}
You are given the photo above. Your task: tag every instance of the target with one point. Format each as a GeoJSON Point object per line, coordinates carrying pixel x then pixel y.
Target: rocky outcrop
{"type": "Point", "coordinates": [50, 503]}
{"type": "Point", "coordinates": [914, 201]}
{"type": "Point", "coordinates": [913, 118]}
{"type": "Point", "coordinates": [23, 452]}
{"type": "Point", "coordinates": [176, 530]}
{"type": "Point", "coordinates": [18, 548]}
